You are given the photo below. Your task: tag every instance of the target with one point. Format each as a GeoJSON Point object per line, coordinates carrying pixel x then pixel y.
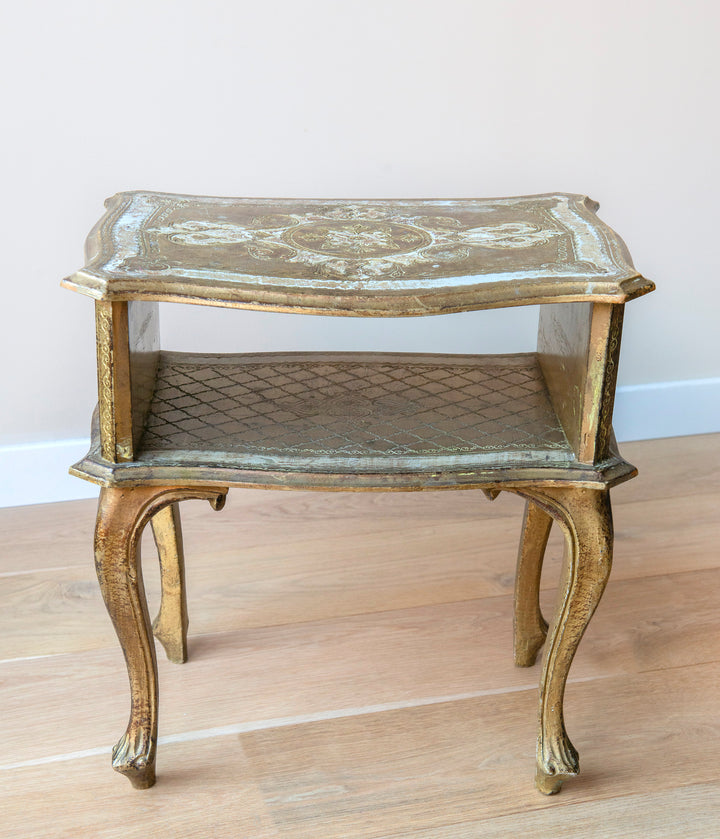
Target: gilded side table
{"type": "Point", "coordinates": [171, 426]}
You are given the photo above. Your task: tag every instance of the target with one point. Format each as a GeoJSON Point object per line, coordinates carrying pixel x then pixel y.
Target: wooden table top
{"type": "Point", "coordinates": [379, 258]}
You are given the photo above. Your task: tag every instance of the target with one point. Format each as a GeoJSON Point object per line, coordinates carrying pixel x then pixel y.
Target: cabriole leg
{"type": "Point", "coordinates": [117, 560]}
{"type": "Point", "coordinates": [171, 624]}
{"type": "Point", "coordinates": [122, 514]}
{"type": "Point", "coordinates": [530, 627]}
{"type": "Point", "coordinates": [586, 518]}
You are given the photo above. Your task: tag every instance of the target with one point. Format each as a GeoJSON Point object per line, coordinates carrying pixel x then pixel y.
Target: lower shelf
{"type": "Point", "coordinates": [346, 420]}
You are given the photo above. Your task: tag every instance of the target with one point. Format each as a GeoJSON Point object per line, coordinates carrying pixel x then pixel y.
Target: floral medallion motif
{"type": "Point", "coordinates": [357, 241]}
{"type": "Point", "coordinates": [371, 257]}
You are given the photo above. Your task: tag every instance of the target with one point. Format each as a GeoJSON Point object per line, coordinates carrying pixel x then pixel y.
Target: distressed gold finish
{"type": "Point", "coordinates": [114, 393]}
{"type": "Point", "coordinates": [170, 626]}
{"type": "Point", "coordinates": [586, 520]}
{"type": "Point", "coordinates": [186, 425]}
{"type": "Point", "coordinates": [128, 343]}
{"type": "Point", "coordinates": [578, 349]}
{"type": "Point", "coordinates": [122, 515]}
{"type": "Point", "coordinates": [529, 625]}
{"type": "Point", "coordinates": [379, 258]}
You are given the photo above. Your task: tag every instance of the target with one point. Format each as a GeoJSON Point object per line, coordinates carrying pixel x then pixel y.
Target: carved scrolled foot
{"type": "Point", "coordinates": [548, 784]}
{"type": "Point", "coordinates": [556, 761]}
{"type": "Point", "coordinates": [134, 757]}
{"type": "Point", "coordinates": [529, 625]}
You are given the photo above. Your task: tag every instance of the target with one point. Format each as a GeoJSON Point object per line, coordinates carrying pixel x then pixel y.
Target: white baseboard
{"type": "Point", "coordinates": [36, 473]}
{"type": "Point", "coordinates": [667, 409]}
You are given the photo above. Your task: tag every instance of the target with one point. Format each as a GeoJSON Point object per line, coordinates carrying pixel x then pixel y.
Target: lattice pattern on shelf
{"type": "Point", "coordinates": [390, 406]}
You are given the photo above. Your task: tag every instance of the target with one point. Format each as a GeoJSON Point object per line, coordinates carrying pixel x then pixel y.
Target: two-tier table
{"type": "Point", "coordinates": [171, 425]}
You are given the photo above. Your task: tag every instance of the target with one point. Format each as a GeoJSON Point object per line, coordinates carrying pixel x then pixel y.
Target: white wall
{"type": "Point", "coordinates": [379, 98]}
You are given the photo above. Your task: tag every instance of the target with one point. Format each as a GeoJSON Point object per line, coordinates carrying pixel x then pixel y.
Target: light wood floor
{"type": "Point", "coordinates": [351, 671]}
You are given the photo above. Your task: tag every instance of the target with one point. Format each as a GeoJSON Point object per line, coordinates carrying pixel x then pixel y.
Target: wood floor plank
{"type": "Point", "coordinates": [421, 767]}
{"type": "Point", "coordinates": [44, 536]}
{"type": "Point", "coordinates": [68, 598]}
{"type": "Point", "coordinates": [286, 581]}
{"type": "Point", "coordinates": [415, 769]}
{"type": "Point", "coordinates": [438, 561]}
{"type": "Point", "coordinates": [58, 535]}
{"type": "Point", "coordinates": [689, 812]}
{"type": "Point", "coordinates": [673, 466]}
{"type": "Point", "coordinates": [295, 578]}
{"type": "Point", "coordinates": [85, 798]}
{"type": "Point", "coordinates": [653, 537]}
{"type": "Point", "coordinates": [340, 665]}
{"type": "Point", "coordinates": [351, 670]}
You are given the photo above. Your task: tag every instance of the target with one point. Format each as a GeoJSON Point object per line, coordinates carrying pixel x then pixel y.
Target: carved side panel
{"type": "Point", "coordinates": [103, 344]}
{"type": "Point", "coordinates": [563, 340]}
{"type": "Point", "coordinates": [608, 339]}
{"type": "Point", "coordinates": [578, 348]}
{"type": "Point", "coordinates": [114, 397]}
{"type": "Point", "coordinates": [144, 345]}
{"type": "Point", "coordinates": [127, 338]}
